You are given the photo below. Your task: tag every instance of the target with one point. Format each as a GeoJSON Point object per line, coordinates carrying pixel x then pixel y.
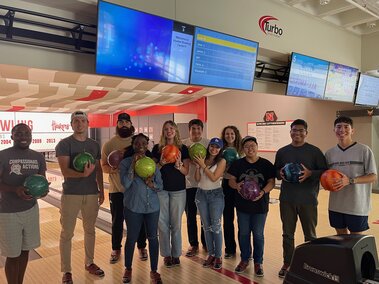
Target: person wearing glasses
{"type": "Point", "coordinates": [251, 212]}
{"type": "Point", "coordinates": [82, 191]}
{"type": "Point", "coordinates": [298, 199]}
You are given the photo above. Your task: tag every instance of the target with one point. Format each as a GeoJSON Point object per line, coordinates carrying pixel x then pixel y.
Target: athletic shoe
{"type": "Point", "coordinates": [258, 269]}
{"type": "Point", "coordinates": [241, 267]}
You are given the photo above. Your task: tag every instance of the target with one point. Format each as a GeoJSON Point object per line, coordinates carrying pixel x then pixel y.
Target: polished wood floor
{"type": "Point", "coordinates": [46, 269]}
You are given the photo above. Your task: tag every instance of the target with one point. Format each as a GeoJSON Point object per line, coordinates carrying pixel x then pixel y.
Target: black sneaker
{"type": "Point", "coordinates": [167, 261]}
{"type": "Point", "coordinates": [175, 261]}
{"type": "Point", "coordinates": [229, 255]}
{"type": "Point", "coordinates": [209, 261]}
{"type": "Point", "coordinates": [258, 269]}
{"type": "Point", "coordinates": [241, 267]}
{"type": "Point", "coordinates": [217, 263]}
{"type": "Point", "coordinates": [283, 271]}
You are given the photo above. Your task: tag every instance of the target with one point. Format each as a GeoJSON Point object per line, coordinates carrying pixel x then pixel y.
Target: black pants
{"type": "Point", "coordinates": [191, 211]}
{"type": "Point", "coordinates": [228, 214]}
{"type": "Point", "coordinates": [117, 211]}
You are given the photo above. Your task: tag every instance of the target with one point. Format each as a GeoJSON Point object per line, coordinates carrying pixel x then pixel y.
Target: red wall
{"type": "Point", "coordinates": [198, 107]}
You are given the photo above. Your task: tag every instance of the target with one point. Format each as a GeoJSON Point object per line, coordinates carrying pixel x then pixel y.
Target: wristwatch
{"type": "Point", "coordinates": [351, 181]}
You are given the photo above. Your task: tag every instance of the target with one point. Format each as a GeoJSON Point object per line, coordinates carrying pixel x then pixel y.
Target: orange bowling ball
{"type": "Point", "coordinates": [170, 153]}
{"type": "Point", "coordinates": [329, 177]}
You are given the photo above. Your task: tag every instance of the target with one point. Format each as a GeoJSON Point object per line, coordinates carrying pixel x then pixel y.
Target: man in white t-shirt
{"type": "Point", "coordinates": [350, 204]}
{"type": "Point", "coordinates": [195, 136]}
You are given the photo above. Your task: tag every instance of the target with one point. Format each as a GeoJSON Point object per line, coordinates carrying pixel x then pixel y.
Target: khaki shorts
{"type": "Point", "coordinates": [19, 232]}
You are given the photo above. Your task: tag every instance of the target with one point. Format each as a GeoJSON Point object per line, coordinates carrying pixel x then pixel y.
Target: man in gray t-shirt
{"type": "Point", "coordinates": [350, 203]}
{"type": "Point", "coordinates": [82, 191]}
{"type": "Point", "coordinates": [19, 213]}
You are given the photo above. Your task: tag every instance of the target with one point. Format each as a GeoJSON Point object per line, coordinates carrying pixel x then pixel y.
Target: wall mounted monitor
{"type": "Point", "coordinates": [134, 44]}
{"type": "Point", "coordinates": [307, 76]}
{"type": "Point", "coordinates": [367, 91]}
{"type": "Point", "coordinates": [222, 60]}
{"type": "Point", "coordinates": [341, 83]}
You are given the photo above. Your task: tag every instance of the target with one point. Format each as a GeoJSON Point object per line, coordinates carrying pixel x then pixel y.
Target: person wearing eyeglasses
{"type": "Point", "coordinates": [298, 199]}
{"type": "Point", "coordinates": [251, 173]}
{"type": "Point", "coordinates": [82, 191]}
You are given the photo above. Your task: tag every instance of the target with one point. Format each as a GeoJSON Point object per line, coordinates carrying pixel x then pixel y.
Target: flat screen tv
{"type": "Point", "coordinates": [367, 91]}
{"type": "Point", "coordinates": [222, 60]}
{"type": "Point", "coordinates": [341, 83]}
{"type": "Point", "coordinates": [307, 77]}
{"type": "Point", "coordinates": [134, 44]}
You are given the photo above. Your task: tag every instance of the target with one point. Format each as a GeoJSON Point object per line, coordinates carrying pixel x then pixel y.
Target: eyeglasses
{"type": "Point", "coordinates": [247, 147]}
{"type": "Point", "coordinates": [298, 130]}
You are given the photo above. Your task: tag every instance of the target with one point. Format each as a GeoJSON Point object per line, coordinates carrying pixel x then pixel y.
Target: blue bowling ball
{"type": "Point", "coordinates": [292, 172]}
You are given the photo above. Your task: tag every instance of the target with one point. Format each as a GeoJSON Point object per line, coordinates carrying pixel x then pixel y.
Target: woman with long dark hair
{"type": "Point", "coordinates": [231, 137]}
{"type": "Point", "coordinates": [210, 199]}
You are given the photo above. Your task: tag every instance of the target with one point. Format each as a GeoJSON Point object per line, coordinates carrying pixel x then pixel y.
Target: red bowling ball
{"type": "Point", "coordinates": [328, 179]}
{"type": "Point", "coordinates": [170, 153]}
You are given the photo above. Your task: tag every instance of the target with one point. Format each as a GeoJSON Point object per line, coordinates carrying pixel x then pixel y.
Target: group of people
{"type": "Point", "coordinates": [152, 207]}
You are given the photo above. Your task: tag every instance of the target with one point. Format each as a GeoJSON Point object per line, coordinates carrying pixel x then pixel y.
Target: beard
{"type": "Point", "coordinates": [125, 132]}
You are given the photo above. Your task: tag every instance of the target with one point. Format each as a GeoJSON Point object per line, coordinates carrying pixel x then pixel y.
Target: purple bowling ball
{"type": "Point", "coordinates": [250, 190]}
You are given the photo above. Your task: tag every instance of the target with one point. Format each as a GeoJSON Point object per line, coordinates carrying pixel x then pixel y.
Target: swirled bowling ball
{"type": "Point", "coordinates": [250, 190]}
{"type": "Point", "coordinates": [230, 154]}
{"type": "Point", "coordinates": [197, 150]}
{"type": "Point", "coordinates": [114, 158]}
{"type": "Point", "coordinates": [170, 153]}
{"type": "Point", "coordinates": [292, 172]}
{"type": "Point", "coordinates": [36, 185]}
{"type": "Point", "coordinates": [329, 177]}
{"type": "Point", "coordinates": [81, 160]}
{"type": "Point", "coordinates": [145, 167]}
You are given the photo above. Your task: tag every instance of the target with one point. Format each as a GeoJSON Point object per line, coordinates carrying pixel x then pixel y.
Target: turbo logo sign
{"type": "Point", "coordinates": [267, 28]}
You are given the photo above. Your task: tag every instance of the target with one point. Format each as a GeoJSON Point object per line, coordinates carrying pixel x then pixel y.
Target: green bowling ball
{"type": "Point", "coordinates": [81, 160]}
{"type": "Point", "coordinates": [230, 154]}
{"type": "Point", "coordinates": [197, 149]}
{"type": "Point", "coordinates": [145, 167]}
{"type": "Point", "coordinates": [36, 185]}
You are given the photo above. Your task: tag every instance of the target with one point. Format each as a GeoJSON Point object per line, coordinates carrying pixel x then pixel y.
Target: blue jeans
{"type": "Point", "coordinates": [211, 204]}
{"type": "Point", "coordinates": [172, 204]}
{"type": "Point", "coordinates": [134, 224]}
{"type": "Point", "coordinates": [247, 224]}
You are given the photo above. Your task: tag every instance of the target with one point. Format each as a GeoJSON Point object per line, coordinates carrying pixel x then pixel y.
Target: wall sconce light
{"type": "Point", "coordinates": [324, 2]}
{"type": "Point", "coordinates": [371, 25]}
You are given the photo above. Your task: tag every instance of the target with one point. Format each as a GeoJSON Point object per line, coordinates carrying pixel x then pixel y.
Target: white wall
{"type": "Point", "coordinates": [302, 33]}
{"type": "Point", "coordinates": [238, 108]}
{"type": "Point", "coordinates": [370, 52]}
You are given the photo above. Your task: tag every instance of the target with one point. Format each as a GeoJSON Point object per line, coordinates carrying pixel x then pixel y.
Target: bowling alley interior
{"type": "Point", "coordinates": [256, 65]}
